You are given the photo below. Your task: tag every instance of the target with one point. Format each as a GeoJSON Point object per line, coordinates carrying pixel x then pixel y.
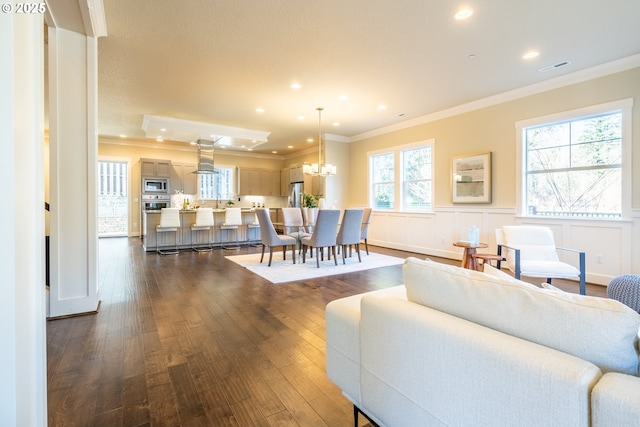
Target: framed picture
{"type": "Point", "coordinates": [471, 178]}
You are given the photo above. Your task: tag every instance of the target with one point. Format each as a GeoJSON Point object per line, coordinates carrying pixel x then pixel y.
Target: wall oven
{"type": "Point", "coordinates": [155, 185]}
{"type": "Point", "coordinates": [155, 202]}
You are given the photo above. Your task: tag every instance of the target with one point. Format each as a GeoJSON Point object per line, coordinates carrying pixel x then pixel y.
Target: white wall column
{"type": "Point", "coordinates": [23, 397]}
{"type": "Point", "coordinates": [73, 84]}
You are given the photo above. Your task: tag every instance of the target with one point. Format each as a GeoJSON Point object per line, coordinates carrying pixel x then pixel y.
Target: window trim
{"type": "Point", "coordinates": [624, 106]}
{"type": "Point", "coordinates": [397, 151]}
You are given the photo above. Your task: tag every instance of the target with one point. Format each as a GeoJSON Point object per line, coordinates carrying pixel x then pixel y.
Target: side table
{"type": "Point", "coordinates": [469, 250]}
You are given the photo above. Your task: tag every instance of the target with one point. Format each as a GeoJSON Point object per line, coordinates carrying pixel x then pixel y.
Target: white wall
{"type": "Point", "coordinates": [22, 306]}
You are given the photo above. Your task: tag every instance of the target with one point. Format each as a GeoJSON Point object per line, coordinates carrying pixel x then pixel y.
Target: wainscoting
{"type": "Point", "coordinates": [608, 244]}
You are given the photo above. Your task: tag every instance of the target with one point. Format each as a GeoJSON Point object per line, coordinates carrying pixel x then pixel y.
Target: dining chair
{"type": "Point", "coordinates": [204, 222]}
{"type": "Point", "coordinates": [293, 223]}
{"type": "Point", "coordinates": [349, 233]}
{"type": "Point", "coordinates": [531, 251]}
{"type": "Point", "coordinates": [232, 221]}
{"type": "Point", "coordinates": [309, 216]}
{"type": "Point", "coordinates": [169, 223]}
{"type": "Point", "coordinates": [272, 239]}
{"type": "Point", "coordinates": [364, 230]}
{"type": "Point", "coordinates": [324, 235]}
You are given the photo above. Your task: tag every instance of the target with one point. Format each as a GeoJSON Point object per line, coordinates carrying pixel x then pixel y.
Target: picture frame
{"type": "Point", "coordinates": [471, 178]}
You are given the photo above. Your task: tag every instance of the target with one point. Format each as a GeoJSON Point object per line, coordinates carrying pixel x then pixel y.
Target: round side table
{"type": "Point", "coordinates": [469, 249]}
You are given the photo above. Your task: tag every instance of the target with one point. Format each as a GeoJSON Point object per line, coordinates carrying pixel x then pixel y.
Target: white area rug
{"type": "Point", "coordinates": [285, 271]}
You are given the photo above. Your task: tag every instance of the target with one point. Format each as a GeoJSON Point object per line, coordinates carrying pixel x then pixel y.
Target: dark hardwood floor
{"type": "Point", "coordinates": [196, 340]}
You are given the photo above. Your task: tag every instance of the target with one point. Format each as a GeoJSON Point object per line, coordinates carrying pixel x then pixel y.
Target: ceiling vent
{"type": "Point", "coordinates": [554, 67]}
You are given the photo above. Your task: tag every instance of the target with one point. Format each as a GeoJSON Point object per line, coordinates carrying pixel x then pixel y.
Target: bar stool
{"type": "Point", "coordinates": [254, 227]}
{"type": "Point", "coordinates": [169, 223]}
{"type": "Point", "coordinates": [232, 220]}
{"type": "Point", "coordinates": [204, 222]}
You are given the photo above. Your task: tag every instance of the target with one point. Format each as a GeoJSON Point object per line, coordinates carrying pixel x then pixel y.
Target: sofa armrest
{"type": "Point", "coordinates": [615, 401]}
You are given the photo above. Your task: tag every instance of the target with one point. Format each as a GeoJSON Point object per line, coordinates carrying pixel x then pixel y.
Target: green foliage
{"type": "Point", "coordinates": [308, 201]}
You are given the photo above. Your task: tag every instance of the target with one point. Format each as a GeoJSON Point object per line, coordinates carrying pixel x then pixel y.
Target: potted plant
{"type": "Point", "coordinates": [308, 201]}
{"type": "Point", "coordinates": [230, 203]}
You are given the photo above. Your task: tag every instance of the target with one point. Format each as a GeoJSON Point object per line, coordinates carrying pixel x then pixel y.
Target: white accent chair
{"type": "Point", "coordinates": [169, 223]}
{"type": "Point", "coordinates": [324, 235]}
{"type": "Point", "coordinates": [272, 239]}
{"type": "Point", "coordinates": [204, 222]}
{"type": "Point", "coordinates": [531, 251]}
{"type": "Point", "coordinates": [349, 233]}
{"type": "Point", "coordinates": [232, 221]}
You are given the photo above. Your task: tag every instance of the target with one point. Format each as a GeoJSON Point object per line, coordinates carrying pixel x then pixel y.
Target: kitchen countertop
{"type": "Point", "coordinates": [243, 210]}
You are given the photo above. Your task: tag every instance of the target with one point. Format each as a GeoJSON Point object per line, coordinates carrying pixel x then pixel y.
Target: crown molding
{"type": "Point", "coordinates": [602, 70]}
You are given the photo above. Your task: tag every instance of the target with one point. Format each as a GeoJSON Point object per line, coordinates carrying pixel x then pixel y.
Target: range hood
{"type": "Point", "coordinates": [205, 157]}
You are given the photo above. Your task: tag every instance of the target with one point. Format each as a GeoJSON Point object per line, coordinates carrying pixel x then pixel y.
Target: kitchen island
{"type": "Point", "coordinates": [151, 219]}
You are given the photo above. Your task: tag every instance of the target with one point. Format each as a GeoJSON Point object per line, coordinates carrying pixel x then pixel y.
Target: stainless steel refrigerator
{"type": "Point", "coordinates": [295, 194]}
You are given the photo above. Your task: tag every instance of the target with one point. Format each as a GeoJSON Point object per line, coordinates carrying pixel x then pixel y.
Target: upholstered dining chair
{"type": "Point", "coordinates": [531, 251]}
{"type": "Point", "coordinates": [364, 231]}
{"type": "Point", "coordinates": [169, 223]}
{"type": "Point", "coordinates": [272, 239]}
{"type": "Point", "coordinates": [324, 234]}
{"type": "Point", "coordinates": [309, 216]}
{"type": "Point", "coordinates": [350, 232]}
{"type": "Point", "coordinates": [293, 223]}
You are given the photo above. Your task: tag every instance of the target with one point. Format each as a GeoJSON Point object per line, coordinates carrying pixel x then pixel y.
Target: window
{"type": "Point", "coordinates": [219, 185]}
{"type": "Point", "coordinates": [382, 172]}
{"type": "Point", "coordinates": [416, 183]}
{"type": "Point", "coordinates": [573, 166]}
{"type": "Point", "coordinates": [404, 174]}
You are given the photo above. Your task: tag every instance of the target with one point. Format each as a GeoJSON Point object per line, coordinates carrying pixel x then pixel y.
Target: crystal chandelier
{"type": "Point", "coordinates": [320, 168]}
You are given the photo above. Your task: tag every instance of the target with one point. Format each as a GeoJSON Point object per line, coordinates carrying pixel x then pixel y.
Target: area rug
{"type": "Point", "coordinates": [285, 271]}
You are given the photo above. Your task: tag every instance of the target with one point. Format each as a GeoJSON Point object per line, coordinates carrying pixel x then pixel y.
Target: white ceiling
{"type": "Point", "coordinates": [217, 61]}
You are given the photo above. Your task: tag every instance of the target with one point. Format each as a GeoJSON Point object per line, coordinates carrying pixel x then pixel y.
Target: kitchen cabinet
{"type": "Point", "coordinates": [183, 178]}
{"type": "Point", "coordinates": [155, 167]}
{"type": "Point", "coordinates": [258, 182]}
{"type": "Point", "coordinates": [269, 183]}
{"type": "Point", "coordinates": [296, 173]}
{"type": "Point", "coordinates": [314, 185]}
{"type": "Point", "coordinates": [248, 182]}
{"type": "Point", "coordinates": [284, 182]}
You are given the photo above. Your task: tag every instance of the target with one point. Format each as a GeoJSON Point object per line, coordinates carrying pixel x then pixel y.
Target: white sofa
{"type": "Point", "coordinates": [455, 347]}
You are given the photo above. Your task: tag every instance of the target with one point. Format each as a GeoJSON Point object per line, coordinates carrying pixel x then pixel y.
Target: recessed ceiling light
{"type": "Point", "coordinates": [531, 54]}
{"type": "Point", "coordinates": [274, 152]}
{"type": "Point", "coordinates": [382, 107]}
{"type": "Point", "coordinates": [336, 123]}
{"type": "Point", "coordinates": [463, 14]}
{"type": "Point", "coordinates": [289, 146]}
{"type": "Point", "coordinates": [123, 136]}
{"type": "Point", "coordinates": [296, 86]}
{"type": "Point", "coordinates": [159, 139]}
{"type": "Point", "coordinates": [309, 139]}
{"type": "Point", "coordinates": [300, 117]}
{"type": "Point", "coordinates": [259, 110]}
{"type": "Point", "coordinates": [250, 149]}
{"type": "Point", "coordinates": [163, 130]}
{"type": "Point", "coordinates": [343, 97]}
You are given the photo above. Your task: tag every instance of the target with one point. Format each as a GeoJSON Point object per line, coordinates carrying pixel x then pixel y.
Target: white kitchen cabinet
{"type": "Point", "coordinates": [155, 167]}
{"type": "Point", "coordinates": [296, 173]}
{"type": "Point", "coordinates": [183, 178]}
{"type": "Point", "coordinates": [284, 182]}
{"type": "Point", "coordinates": [248, 182]}
{"type": "Point", "coordinates": [269, 183]}
{"type": "Point", "coordinates": [314, 185]}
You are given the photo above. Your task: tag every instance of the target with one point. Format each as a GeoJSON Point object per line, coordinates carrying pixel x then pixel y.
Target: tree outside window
{"type": "Point", "coordinates": [218, 185]}
{"type": "Point", "coordinates": [574, 167]}
{"type": "Point", "coordinates": [416, 183]}
{"type": "Point", "coordinates": [383, 174]}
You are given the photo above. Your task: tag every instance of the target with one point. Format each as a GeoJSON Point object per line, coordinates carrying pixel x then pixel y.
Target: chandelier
{"type": "Point", "coordinates": [320, 168]}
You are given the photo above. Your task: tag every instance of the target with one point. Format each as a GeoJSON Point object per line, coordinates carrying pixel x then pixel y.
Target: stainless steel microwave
{"type": "Point", "coordinates": [155, 185]}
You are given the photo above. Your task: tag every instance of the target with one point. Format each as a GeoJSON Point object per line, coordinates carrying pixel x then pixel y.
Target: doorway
{"type": "Point", "coordinates": [113, 199]}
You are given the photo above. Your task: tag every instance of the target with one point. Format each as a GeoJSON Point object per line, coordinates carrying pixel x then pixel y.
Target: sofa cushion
{"type": "Point", "coordinates": [601, 331]}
